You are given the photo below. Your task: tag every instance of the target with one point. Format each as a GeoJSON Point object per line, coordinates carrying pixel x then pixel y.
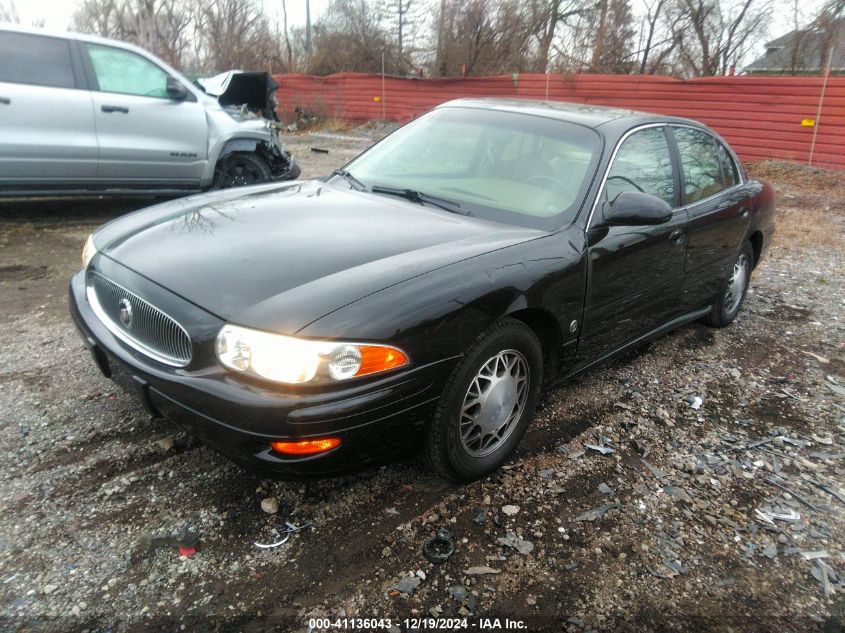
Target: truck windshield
{"type": "Point", "coordinates": [519, 169]}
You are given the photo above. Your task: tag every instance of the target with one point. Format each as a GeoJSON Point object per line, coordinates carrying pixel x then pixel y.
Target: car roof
{"type": "Point", "coordinates": [69, 35]}
{"type": "Point", "coordinates": [589, 115]}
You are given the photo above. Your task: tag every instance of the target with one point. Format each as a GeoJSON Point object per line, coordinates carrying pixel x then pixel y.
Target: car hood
{"type": "Point", "coordinates": [279, 257]}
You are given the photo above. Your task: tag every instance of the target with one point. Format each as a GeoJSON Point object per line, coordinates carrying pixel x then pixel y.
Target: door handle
{"type": "Point", "coordinates": [111, 108]}
{"type": "Point", "coordinates": [5, 100]}
{"type": "Point", "coordinates": [677, 236]}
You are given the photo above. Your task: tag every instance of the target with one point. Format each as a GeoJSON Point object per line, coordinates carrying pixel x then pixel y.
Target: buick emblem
{"type": "Point", "coordinates": [124, 313]}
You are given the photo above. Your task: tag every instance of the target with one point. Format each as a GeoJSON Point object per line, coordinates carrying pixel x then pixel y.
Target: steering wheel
{"type": "Point", "coordinates": [629, 181]}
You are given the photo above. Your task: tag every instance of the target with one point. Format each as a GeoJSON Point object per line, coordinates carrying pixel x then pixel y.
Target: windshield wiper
{"type": "Point", "coordinates": [418, 196]}
{"type": "Point", "coordinates": [360, 186]}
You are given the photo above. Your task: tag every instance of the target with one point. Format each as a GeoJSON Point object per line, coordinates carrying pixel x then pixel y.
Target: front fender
{"type": "Point", "coordinates": [438, 314]}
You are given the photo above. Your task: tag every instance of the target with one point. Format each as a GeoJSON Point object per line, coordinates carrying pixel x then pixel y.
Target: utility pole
{"type": "Point", "coordinates": [308, 28]}
{"type": "Point", "coordinates": [598, 50]}
{"type": "Point", "coordinates": [401, 20]}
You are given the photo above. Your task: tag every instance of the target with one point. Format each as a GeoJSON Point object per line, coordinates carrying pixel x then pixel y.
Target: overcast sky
{"type": "Point", "coordinates": [57, 13]}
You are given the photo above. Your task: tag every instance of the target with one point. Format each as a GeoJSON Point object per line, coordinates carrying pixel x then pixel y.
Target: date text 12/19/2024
{"type": "Point", "coordinates": [428, 624]}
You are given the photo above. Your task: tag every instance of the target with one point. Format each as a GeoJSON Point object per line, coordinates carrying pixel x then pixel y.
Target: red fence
{"type": "Point", "coordinates": [762, 117]}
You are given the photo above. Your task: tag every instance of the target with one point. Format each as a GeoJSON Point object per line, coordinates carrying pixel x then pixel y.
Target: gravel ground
{"type": "Point", "coordinates": [717, 506]}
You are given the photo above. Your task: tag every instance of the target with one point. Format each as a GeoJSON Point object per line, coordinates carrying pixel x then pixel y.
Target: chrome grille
{"type": "Point", "coordinates": [144, 327]}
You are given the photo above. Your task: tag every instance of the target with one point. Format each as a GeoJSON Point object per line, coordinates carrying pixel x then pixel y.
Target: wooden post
{"type": "Point", "coordinates": [383, 107]}
{"type": "Point", "coordinates": [819, 110]}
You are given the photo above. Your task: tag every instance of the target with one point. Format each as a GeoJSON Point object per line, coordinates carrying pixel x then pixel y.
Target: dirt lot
{"type": "Point", "coordinates": [713, 432]}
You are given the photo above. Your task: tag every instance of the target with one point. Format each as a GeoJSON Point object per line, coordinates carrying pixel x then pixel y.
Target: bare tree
{"type": "Point", "coordinates": [288, 47]}
{"type": "Point", "coordinates": [9, 12]}
{"type": "Point", "coordinates": [484, 37]}
{"type": "Point", "coordinates": [558, 11]}
{"type": "Point", "coordinates": [712, 36]}
{"type": "Point", "coordinates": [405, 19]}
{"type": "Point", "coordinates": [831, 23]}
{"type": "Point", "coordinates": [160, 26]}
{"type": "Point", "coordinates": [96, 16]}
{"type": "Point", "coordinates": [351, 36]}
{"type": "Point", "coordinates": [238, 34]}
{"type": "Point", "coordinates": [652, 16]}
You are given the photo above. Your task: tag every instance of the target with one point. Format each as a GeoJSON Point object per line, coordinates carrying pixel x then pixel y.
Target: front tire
{"type": "Point", "coordinates": [732, 295]}
{"type": "Point", "coordinates": [240, 169]}
{"type": "Point", "coordinates": [487, 403]}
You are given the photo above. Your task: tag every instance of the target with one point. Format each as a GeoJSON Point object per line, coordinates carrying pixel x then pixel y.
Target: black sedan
{"type": "Point", "coordinates": [421, 297]}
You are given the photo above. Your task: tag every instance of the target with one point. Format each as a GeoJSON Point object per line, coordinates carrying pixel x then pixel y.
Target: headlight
{"type": "Point", "coordinates": [294, 360]}
{"type": "Point", "coordinates": [88, 251]}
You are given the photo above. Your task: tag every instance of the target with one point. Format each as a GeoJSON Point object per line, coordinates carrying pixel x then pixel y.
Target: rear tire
{"type": "Point", "coordinates": [487, 403]}
{"type": "Point", "coordinates": [728, 302]}
{"type": "Point", "coordinates": [240, 169]}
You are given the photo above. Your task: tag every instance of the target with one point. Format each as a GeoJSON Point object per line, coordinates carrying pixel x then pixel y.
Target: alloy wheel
{"type": "Point", "coordinates": [240, 173]}
{"type": "Point", "coordinates": [494, 402]}
{"type": "Point", "coordinates": [736, 284]}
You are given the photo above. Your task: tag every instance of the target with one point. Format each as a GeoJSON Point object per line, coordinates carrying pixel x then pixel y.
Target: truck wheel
{"type": "Point", "coordinates": [294, 173]}
{"type": "Point", "coordinates": [239, 169]}
{"type": "Point", "coordinates": [487, 403]}
{"type": "Point", "coordinates": [727, 304]}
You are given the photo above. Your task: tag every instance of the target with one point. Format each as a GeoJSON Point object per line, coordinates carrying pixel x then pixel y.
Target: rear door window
{"type": "Point", "coordinates": [702, 169]}
{"type": "Point", "coordinates": [35, 60]}
{"type": "Point", "coordinates": [125, 72]}
{"type": "Point", "coordinates": [730, 174]}
{"type": "Point", "coordinates": [643, 163]}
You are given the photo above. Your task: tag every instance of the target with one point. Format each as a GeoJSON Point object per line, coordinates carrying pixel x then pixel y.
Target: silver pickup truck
{"type": "Point", "coordinates": [82, 114]}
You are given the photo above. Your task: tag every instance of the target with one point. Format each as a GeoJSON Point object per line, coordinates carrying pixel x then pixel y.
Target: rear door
{"type": "Point", "coordinates": [144, 135]}
{"type": "Point", "coordinates": [46, 114]}
{"type": "Point", "coordinates": [635, 272]}
{"type": "Point", "coordinates": [719, 207]}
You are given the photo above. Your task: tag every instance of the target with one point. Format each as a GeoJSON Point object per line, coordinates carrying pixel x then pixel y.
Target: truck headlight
{"type": "Point", "coordinates": [88, 251]}
{"type": "Point", "coordinates": [294, 360]}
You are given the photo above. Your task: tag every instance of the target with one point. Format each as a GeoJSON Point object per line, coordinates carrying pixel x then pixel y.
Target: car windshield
{"type": "Point", "coordinates": [520, 169]}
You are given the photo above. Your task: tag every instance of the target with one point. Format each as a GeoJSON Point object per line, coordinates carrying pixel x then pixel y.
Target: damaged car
{"type": "Point", "coordinates": [247, 93]}
{"type": "Point", "coordinates": [420, 298]}
{"type": "Point", "coordinates": [84, 115]}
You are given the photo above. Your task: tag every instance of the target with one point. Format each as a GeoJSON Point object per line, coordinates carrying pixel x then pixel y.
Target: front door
{"type": "Point", "coordinates": [634, 272]}
{"type": "Point", "coordinates": [46, 117]}
{"type": "Point", "coordinates": [144, 135]}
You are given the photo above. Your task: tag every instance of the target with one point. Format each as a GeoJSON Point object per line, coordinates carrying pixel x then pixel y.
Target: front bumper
{"type": "Point", "coordinates": [375, 421]}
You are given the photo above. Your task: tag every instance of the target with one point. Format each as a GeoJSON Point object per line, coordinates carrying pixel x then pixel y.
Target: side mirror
{"type": "Point", "coordinates": [634, 208]}
{"type": "Point", "coordinates": [175, 89]}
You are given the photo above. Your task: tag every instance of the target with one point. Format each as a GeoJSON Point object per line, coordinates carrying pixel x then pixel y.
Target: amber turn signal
{"type": "Point", "coordinates": [306, 447]}
{"type": "Point", "coordinates": [376, 358]}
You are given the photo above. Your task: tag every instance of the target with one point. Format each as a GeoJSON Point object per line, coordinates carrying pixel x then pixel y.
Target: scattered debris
{"type": "Point", "coordinates": [791, 516]}
{"type": "Point", "coordinates": [774, 482]}
{"type": "Point", "coordinates": [185, 541]}
{"type": "Point", "coordinates": [408, 585]}
{"type": "Point", "coordinates": [481, 570]}
{"type": "Point", "coordinates": [510, 510]}
{"type": "Point", "coordinates": [677, 493]}
{"type": "Point", "coordinates": [479, 515]}
{"type": "Point", "coordinates": [597, 513]}
{"type": "Point", "coordinates": [695, 402]}
{"type": "Point", "coordinates": [465, 598]}
{"type": "Point", "coordinates": [519, 544]}
{"type": "Point", "coordinates": [319, 150]}
{"type": "Point", "coordinates": [604, 450]}
{"type": "Point", "coordinates": [290, 528]}
{"type": "Point", "coordinates": [270, 505]}
{"type": "Point", "coordinates": [440, 547]}
{"type": "Point", "coordinates": [657, 472]}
